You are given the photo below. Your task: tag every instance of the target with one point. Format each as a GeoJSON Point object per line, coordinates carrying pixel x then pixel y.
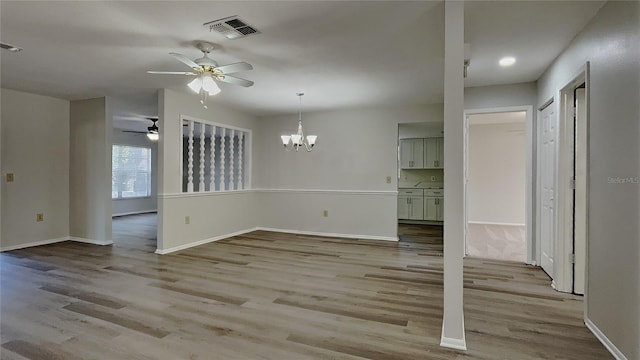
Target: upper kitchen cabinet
{"type": "Point", "coordinates": [434, 153]}
{"type": "Point", "coordinates": [412, 153]}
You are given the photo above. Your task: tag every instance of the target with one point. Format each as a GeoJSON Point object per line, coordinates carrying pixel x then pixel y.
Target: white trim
{"type": "Point", "coordinates": [203, 194]}
{"type": "Point", "coordinates": [298, 191]}
{"type": "Point", "coordinates": [495, 223]}
{"type": "Point", "coordinates": [134, 213]}
{"type": "Point", "coordinates": [458, 344]}
{"type": "Point", "coordinates": [530, 168]}
{"type": "Point", "coordinates": [604, 340]}
{"type": "Point", "coordinates": [33, 243]}
{"type": "Point", "coordinates": [331, 192]}
{"type": "Point", "coordinates": [564, 195]}
{"type": "Point", "coordinates": [53, 241]}
{"type": "Point", "coordinates": [326, 234]}
{"type": "Point", "coordinates": [202, 242]}
{"type": "Point", "coordinates": [91, 241]}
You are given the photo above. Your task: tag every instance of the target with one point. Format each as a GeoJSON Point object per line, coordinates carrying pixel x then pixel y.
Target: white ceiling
{"type": "Point", "coordinates": [340, 53]}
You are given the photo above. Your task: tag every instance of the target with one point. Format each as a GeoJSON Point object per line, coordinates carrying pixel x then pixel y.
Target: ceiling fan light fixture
{"type": "Point", "coordinates": [195, 85]}
{"type": "Point", "coordinates": [153, 136]}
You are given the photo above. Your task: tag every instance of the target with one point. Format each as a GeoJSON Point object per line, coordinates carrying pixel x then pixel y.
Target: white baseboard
{"type": "Point", "coordinates": [90, 241]}
{"type": "Point", "coordinates": [33, 243]}
{"type": "Point", "coordinates": [53, 241]}
{"type": "Point", "coordinates": [201, 242]}
{"type": "Point", "coordinates": [134, 213]}
{"type": "Point", "coordinates": [315, 233]}
{"type": "Point", "coordinates": [604, 340]}
{"type": "Point", "coordinates": [458, 344]}
{"type": "Point", "coordinates": [494, 223]}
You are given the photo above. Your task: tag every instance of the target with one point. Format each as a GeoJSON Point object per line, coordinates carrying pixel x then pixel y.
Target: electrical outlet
{"type": "Point", "coordinates": [187, 220]}
{"type": "Point", "coordinates": [9, 177]}
{"type": "Point", "coordinates": [40, 217]}
{"type": "Point", "coordinates": [388, 179]}
{"type": "Point", "coordinates": [325, 213]}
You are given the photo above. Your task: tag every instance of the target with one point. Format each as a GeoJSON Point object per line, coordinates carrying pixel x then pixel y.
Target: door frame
{"type": "Point", "coordinates": [564, 98]}
{"type": "Point", "coordinates": [530, 171]}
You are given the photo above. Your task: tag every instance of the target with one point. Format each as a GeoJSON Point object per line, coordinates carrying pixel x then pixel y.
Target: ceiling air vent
{"type": "Point", "coordinates": [231, 27]}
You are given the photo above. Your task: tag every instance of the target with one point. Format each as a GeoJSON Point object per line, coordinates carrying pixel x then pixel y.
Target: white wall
{"type": "Point", "coordinates": [355, 152]}
{"type": "Point", "coordinates": [35, 148]}
{"type": "Point", "coordinates": [484, 97]}
{"type": "Point", "coordinates": [496, 187]}
{"type": "Point", "coordinates": [611, 42]}
{"type": "Point", "coordinates": [132, 206]}
{"type": "Point", "coordinates": [211, 215]}
{"type": "Point", "coordinates": [90, 170]}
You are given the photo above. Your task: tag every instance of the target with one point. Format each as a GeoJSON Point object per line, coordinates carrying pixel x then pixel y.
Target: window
{"type": "Point", "coordinates": [131, 172]}
{"type": "Point", "coordinates": [214, 158]}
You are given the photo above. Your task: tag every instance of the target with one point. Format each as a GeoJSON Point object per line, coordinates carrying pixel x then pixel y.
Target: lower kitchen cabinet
{"type": "Point", "coordinates": [433, 208]}
{"type": "Point", "coordinates": [411, 204]}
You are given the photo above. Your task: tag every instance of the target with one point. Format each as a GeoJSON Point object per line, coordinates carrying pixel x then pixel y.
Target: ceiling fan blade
{"type": "Point", "coordinates": [235, 81]}
{"type": "Point", "coordinates": [135, 132]}
{"type": "Point", "coordinates": [185, 60]}
{"type": "Point", "coordinates": [235, 67]}
{"type": "Point", "coordinates": [172, 72]}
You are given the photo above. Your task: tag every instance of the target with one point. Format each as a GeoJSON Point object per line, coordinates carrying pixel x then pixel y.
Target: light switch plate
{"type": "Point", "coordinates": [39, 217]}
{"type": "Point", "coordinates": [9, 177]}
{"type": "Point", "coordinates": [388, 179]}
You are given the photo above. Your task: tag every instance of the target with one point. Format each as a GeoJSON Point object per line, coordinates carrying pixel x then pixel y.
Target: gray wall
{"type": "Point", "coordinates": [345, 174]}
{"type": "Point", "coordinates": [483, 97]}
{"type": "Point", "coordinates": [132, 206]}
{"type": "Point", "coordinates": [35, 148]}
{"type": "Point", "coordinates": [211, 214]}
{"type": "Point", "coordinates": [496, 187]}
{"type": "Point", "coordinates": [90, 170]}
{"type": "Point", "coordinates": [611, 42]}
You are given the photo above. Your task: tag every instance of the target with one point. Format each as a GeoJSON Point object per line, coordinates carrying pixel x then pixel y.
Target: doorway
{"type": "Point", "coordinates": [420, 178]}
{"type": "Point", "coordinates": [527, 133]}
{"type": "Point", "coordinates": [563, 182]}
{"type": "Point", "coordinates": [496, 191]}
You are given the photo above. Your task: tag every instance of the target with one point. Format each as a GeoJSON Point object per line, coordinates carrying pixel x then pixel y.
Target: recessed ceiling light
{"type": "Point", "coordinates": [507, 61]}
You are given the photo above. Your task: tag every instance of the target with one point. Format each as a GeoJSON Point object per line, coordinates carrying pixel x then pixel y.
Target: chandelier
{"type": "Point", "coordinates": [298, 140]}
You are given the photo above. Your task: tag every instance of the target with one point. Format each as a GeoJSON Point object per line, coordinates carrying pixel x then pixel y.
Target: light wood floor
{"type": "Point", "coordinates": [268, 295]}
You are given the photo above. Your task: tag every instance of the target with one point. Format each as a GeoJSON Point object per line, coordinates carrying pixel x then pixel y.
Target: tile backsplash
{"type": "Point", "coordinates": [420, 178]}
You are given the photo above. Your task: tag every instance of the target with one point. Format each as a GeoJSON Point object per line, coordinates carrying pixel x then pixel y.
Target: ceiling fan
{"type": "Point", "coordinates": [207, 72]}
{"type": "Point", "coordinates": [152, 131]}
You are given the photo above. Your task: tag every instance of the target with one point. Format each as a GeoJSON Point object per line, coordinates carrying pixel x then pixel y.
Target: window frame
{"type": "Point", "coordinates": [151, 159]}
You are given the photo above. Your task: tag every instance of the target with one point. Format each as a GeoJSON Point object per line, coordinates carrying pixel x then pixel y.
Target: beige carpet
{"type": "Point", "coordinates": [500, 242]}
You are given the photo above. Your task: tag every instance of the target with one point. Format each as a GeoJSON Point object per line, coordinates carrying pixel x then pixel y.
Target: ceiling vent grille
{"type": "Point", "coordinates": [231, 27]}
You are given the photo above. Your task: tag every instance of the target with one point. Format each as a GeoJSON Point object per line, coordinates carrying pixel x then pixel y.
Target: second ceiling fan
{"type": "Point", "coordinates": [207, 72]}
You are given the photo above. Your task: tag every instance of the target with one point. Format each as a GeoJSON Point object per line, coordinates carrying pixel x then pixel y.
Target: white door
{"type": "Point", "coordinates": [547, 168]}
{"type": "Point", "coordinates": [580, 212]}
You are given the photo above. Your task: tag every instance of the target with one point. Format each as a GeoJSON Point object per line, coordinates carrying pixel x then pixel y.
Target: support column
{"type": "Point", "coordinates": [453, 319]}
